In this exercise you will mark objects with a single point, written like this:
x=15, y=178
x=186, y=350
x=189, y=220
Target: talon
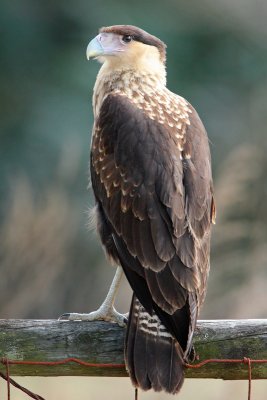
x=64, y=316
x=102, y=314
x=125, y=317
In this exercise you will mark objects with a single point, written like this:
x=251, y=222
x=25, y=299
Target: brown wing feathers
x=156, y=208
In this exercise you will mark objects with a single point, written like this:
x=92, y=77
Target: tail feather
x=141, y=347
x=170, y=369
x=154, y=358
x=152, y=364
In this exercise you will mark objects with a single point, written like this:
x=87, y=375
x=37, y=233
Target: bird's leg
x=106, y=311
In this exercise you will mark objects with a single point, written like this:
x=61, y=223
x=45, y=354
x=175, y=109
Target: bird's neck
x=128, y=82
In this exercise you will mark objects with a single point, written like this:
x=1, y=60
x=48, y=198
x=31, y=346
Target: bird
x=154, y=207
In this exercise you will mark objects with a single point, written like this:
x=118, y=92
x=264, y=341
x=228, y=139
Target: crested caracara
x=152, y=181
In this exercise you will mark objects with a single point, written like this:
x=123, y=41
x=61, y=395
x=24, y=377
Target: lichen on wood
x=102, y=342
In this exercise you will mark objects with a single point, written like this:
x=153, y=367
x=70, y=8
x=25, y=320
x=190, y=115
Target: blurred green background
x=50, y=262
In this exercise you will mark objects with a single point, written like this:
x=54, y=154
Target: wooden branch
x=102, y=342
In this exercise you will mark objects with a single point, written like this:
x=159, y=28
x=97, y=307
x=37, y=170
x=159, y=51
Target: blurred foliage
x=217, y=59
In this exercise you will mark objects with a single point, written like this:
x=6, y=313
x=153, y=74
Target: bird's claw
x=102, y=314
x=64, y=317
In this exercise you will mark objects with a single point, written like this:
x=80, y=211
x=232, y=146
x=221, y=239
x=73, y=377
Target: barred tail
x=154, y=359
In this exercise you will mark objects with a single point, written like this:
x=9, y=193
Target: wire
x=244, y=360
x=7, y=362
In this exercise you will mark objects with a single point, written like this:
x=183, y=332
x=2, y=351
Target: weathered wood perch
x=102, y=342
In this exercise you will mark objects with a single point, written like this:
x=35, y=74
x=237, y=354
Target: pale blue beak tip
x=94, y=49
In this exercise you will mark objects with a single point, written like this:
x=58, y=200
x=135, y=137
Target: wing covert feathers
x=151, y=175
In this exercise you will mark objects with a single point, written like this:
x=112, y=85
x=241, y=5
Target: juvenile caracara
x=151, y=176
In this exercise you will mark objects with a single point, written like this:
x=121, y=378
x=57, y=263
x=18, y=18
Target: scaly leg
x=106, y=311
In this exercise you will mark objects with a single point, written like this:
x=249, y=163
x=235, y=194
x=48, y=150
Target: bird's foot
x=102, y=314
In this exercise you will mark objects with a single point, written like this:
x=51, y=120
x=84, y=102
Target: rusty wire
x=247, y=361
x=6, y=362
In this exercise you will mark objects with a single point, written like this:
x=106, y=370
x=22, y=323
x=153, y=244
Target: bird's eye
x=127, y=38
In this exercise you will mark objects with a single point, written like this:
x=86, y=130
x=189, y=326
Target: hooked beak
x=94, y=49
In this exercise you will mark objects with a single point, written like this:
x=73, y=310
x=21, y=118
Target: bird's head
x=126, y=46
